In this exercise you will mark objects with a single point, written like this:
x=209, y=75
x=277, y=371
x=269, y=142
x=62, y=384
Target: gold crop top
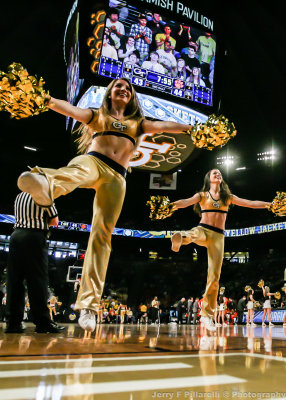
x=209, y=204
x=104, y=125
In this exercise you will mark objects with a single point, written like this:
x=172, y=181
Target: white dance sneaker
x=263, y=324
x=87, y=320
x=176, y=240
x=38, y=187
x=208, y=323
x=270, y=324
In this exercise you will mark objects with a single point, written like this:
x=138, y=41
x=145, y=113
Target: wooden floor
x=130, y=362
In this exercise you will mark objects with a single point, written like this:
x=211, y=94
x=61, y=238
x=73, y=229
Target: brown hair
x=224, y=192
x=132, y=111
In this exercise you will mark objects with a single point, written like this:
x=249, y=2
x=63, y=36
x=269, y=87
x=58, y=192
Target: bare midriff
x=118, y=149
x=214, y=219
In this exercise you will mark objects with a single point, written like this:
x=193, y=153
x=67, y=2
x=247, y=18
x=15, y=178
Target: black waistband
x=111, y=133
x=212, y=228
x=219, y=211
x=111, y=163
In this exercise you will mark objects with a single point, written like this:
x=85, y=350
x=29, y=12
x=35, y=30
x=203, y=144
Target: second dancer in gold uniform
x=212, y=203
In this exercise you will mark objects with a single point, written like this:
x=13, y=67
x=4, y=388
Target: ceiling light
x=30, y=148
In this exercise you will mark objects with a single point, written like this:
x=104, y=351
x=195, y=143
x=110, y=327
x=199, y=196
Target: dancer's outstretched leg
x=38, y=187
x=176, y=240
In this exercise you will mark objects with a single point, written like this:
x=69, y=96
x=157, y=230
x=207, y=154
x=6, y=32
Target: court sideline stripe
x=87, y=370
x=118, y=387
x=63, y=360
x=80, y=360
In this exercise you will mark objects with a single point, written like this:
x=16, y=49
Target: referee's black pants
x=28, y=260
x=240, y=317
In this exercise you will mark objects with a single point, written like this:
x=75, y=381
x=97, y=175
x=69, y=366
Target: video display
x=157, y=53
x=73, y=81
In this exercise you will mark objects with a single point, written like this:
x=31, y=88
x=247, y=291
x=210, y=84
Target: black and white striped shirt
x=31, y=216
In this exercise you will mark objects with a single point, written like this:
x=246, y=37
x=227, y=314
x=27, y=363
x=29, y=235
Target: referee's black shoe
x=11, y=328
x=52, y=327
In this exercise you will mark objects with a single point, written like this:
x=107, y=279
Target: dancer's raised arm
x=83, y=115
x=164, y=126
x=249, y=203
x=186, y=202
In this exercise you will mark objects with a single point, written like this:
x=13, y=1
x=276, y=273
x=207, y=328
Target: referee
x=28, y=260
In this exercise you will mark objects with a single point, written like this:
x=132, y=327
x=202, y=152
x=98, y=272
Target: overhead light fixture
x=239, y=168
x=30, y=148
x=225, y=160
x=267, y=155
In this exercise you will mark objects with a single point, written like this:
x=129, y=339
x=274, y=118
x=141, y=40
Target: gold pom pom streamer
x=278, y=205
x=160, y=207
x=21, y=94
x=216, y=131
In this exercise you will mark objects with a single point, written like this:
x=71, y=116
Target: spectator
x=112, y=315
x=240, y=309
x=222, y=308
x=206, y=51
x=192, y=44
x=156, y=24
x=155, y=309
x=128, y=48
x=190, y=303
x=161, y=38
x=180, y=309
x=180, y=70
x=211, y=75
x=129, y=316
x=183, y=35
x=195, y=78
x=143, y=311
x=191, y=59
x=108, y=50
x=196, y=308
x=167, y=59
x=133, y=59
x=142, y=35
x=153, y=64
x=115, y=27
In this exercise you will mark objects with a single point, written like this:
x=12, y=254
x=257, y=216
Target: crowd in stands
x=157, y=45
x=113, y=311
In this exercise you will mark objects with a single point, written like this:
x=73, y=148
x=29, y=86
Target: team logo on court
x=119, y=125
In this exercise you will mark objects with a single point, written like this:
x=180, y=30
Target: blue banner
x=77, y=226
x=276, y=316
x=254, y=230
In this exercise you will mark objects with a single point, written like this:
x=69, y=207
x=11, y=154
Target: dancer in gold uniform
x=267, y=305
x=107, y=142
x=212, y=203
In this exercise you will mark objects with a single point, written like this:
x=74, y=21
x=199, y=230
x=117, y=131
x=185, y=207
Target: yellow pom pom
x=215, y=132
x=160, y=207
x=21, y=94
x=278, y=205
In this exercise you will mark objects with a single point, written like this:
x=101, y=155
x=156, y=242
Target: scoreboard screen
x=158, y=53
